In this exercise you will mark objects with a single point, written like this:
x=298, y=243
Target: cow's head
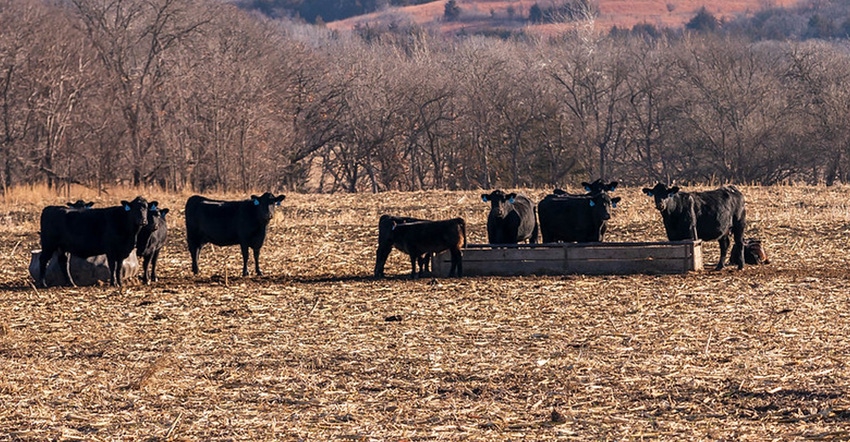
x=156, y=215
x=80, y=205
x=601, y=204
x=136, y=211
x=500, y=202
x=661, y=193
x=386, y=224
x=599, y=186
x=264, y=205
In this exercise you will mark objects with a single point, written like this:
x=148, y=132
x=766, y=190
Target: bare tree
x=592, y=78
x=133, y=39
x=729, y=92
x=650, y=111
x=819, y=78
x=480, y=67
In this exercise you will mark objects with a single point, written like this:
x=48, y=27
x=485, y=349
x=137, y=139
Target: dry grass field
x=480, y=15
x=308, y=353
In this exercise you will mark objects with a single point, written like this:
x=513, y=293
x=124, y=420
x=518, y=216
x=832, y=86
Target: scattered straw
x=308, y=353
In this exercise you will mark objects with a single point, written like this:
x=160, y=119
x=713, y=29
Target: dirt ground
x=318, y=350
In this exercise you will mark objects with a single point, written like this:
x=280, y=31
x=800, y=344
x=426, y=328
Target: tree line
x=189, y=94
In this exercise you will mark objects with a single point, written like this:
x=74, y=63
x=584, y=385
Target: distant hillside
x=478, y=15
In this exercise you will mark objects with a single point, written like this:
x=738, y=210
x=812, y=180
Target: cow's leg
x=413, y=258
x=114, y=280
x=154, y=259
x=43, y=259
x=195, y=251
x=257, y=261
x=738, y=226
x=244, y=248
x=119, y=265
x=146, y=260
x=457, y=263
x=423, y=260
x=724, y=249
x=381, y=256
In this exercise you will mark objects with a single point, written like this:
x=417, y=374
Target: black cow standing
x=591, y=188
x=80, y=204
x=89, y=232
x=151, y=239
x=422, y=237
x=511, y=218
x=710, y=215
x=227, y=223
x=575, y=218
x=385, y=244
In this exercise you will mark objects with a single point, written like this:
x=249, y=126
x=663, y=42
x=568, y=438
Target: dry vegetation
x=307, y=353
x=621, y=13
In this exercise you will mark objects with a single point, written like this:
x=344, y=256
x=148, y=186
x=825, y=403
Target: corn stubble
x=307, y=352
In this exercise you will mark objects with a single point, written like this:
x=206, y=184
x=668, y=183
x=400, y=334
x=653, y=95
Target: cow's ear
x=592, y=203
x=279, y=198
x=511, y=198
x=614, y=201
x=255, y=200
x=88, y=205
x=163, y=212
x=126, y=206
x=485, y=197
x=586, y=186
x=673, y=190
x=612, y=186
x=647, y=191
x=152, y=206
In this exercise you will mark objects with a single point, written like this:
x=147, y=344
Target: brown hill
x=502, y=14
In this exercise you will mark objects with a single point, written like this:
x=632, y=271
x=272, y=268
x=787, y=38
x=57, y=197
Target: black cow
x=385, y=243
x=111, y=231
x=591, y=188
x=151, y=239
x=710, y=215
x=419, y=238
x=575, y=218
x=511, y=218
x=80, y=204
x=227, y=223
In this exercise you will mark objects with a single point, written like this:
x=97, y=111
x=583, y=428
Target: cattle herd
x=137, y=225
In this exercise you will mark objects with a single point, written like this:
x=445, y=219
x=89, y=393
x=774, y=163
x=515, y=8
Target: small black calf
x=422, y=237
x=151, y=239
